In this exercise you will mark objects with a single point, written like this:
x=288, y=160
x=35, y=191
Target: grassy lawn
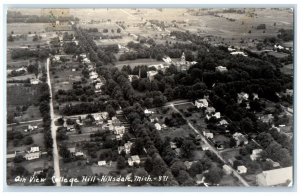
x=63, y=79
x=91, y=129
x=78, y=137
x=229, y=154
x=75, y=169
x=172, y=132
x=33, y=164
x=103, y=169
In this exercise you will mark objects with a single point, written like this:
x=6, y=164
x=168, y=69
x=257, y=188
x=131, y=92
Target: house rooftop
x=276, y=176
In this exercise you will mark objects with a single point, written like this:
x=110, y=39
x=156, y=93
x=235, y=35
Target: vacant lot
x=20, y=28
x=38, y=163
x=63, y=79
x=18, y=94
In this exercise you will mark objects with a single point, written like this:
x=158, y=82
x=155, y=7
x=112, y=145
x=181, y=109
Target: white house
x=255, y=154
x=242, y=97
x=255, y=96
x=242, y=169
x=173, y=145
x=238, y=53
x=38, y=171
x=34, y=149
x=201, y=103
x=32, y=155
x=208, y=134
x=104, y=115
x=157, y=126
x=277, y=46
x=131, y=77
x=34, y=81
x=98, y=85
x=231, y=49
x=239, y=138
x=167, y=59
x=119, y=130
x=72, y=150
x=210, y=110
x=221, y=69
x=146, y=111
x=134, y=159
x=127, y=147
x=120, y=149
x=101, y=163
x=223, y=122
x=217, y=115
x=227, y=170
x=79, y=154
x=31, y=128
x=86, y=60
x=151, y=74
x=205, y=147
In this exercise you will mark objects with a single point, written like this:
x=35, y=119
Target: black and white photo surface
x=150, y=97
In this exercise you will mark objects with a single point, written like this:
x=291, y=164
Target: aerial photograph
x=149, y=97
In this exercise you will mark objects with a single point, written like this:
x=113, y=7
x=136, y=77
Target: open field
x=19, y=28
x=22, y=95
x=64, y=78
x=137, y=62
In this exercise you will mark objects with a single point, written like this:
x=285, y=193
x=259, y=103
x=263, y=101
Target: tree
x=28, y=140
x=148, y=165
x=176, y=167
x=187, y=148
x=184, y=178
x=60, y=121
x=110, y=110
x=159, y=166
x=33, y=68
x=196, y=168
x=247, y=125
x=121, y=162
x=214, y=175
x=18, y=159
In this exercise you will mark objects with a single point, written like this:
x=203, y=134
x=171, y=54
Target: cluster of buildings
x=31, y=128
x=93, y=75
x=116, y=127
x=182, y=65
x=32, y=153
x=210, y=111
